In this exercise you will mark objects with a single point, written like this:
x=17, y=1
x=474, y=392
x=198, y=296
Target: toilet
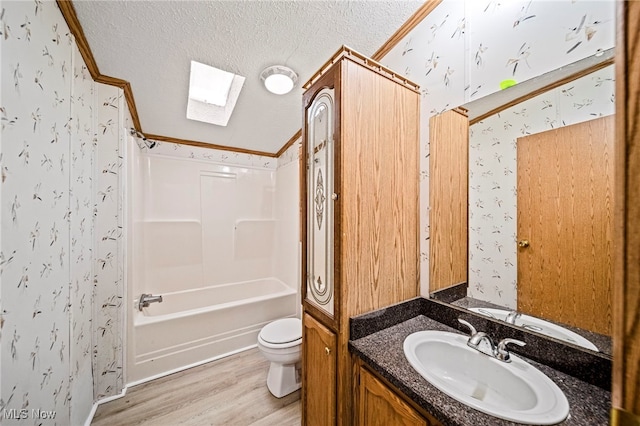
x=281, y=342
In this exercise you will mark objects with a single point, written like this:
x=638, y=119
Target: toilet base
x=284, y=379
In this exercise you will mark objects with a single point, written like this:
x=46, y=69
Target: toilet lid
x=282, y=331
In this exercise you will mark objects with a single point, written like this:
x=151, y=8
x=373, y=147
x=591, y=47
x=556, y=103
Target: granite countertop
x=383, y=352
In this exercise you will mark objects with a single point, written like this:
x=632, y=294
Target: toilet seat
x=283, y=333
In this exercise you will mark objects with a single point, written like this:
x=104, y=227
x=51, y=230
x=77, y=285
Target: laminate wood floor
x=230, y=391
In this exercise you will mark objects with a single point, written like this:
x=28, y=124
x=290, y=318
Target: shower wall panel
x=203, y=223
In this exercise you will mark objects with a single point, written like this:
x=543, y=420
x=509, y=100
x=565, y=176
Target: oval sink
x=514, y=391
x=540, y=326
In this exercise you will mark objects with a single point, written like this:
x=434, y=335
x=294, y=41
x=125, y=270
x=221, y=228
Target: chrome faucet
x=146, y=299
x=480, y=341
x=501, y=351
x=512, y=317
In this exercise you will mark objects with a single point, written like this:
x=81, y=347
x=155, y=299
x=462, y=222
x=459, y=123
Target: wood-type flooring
x=231, y=391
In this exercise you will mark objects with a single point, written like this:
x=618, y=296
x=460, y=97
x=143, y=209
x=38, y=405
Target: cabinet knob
x=334, y=196
x=327, y=350
x=523, y=243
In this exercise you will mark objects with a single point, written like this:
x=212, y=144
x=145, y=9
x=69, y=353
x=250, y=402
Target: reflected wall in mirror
x=460, y=53
x=493, y=208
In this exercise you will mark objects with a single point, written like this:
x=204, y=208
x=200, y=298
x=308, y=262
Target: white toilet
x=281, y=343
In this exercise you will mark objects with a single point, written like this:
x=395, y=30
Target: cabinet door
x=319, y=374
x=320, y=202
x=380, y=406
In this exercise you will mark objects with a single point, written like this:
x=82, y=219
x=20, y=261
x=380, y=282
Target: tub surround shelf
x=382, y=352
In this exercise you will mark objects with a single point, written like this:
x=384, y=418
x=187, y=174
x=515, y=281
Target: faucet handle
x=512, y=317
x=501, y=351
x=471, y=328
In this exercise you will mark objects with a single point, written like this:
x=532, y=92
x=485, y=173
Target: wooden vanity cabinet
x=378, y=404
x=320, y=353
x=360, y=216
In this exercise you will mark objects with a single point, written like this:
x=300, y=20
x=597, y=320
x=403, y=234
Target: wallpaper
x=493, y=181
x=48, y=201
x=108, y=360
x=82, y=236
x=36, y=219
x=291, y=154
x=520, y=40
x=207, y=154
x=463, y=49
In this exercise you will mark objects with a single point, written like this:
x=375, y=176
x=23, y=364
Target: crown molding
x=70, y=16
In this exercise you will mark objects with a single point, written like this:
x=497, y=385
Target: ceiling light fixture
x=279, y=79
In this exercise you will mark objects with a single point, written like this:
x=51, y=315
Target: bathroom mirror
x=509, y=182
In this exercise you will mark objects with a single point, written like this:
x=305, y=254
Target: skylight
x=212, y=94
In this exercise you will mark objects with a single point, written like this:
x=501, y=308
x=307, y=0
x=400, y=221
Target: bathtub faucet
x=146, y=299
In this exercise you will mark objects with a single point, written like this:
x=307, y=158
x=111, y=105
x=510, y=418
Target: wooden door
x=318, y=373
x=565, y=213
x=380, y=406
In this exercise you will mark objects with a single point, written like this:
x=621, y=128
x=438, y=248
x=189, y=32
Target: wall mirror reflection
x=540, y=201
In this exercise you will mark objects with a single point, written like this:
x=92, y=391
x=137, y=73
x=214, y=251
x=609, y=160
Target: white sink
x=514, y=391
x=539, y=325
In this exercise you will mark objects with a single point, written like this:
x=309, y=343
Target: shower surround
x=208, y=234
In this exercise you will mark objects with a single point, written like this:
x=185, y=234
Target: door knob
x=523, y=243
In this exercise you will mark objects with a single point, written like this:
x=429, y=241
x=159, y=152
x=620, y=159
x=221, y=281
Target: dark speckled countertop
x=383, y=352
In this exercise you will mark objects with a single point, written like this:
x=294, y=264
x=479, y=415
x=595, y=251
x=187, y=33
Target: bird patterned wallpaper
x=111, y=132
x=210, y=155
x=463, y=49
x=291, y=154
x=61, y=220
x=493, y=181
x=62, y=248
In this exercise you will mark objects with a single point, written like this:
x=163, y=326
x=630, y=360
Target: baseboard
x=157, y=376
x=103, y=401
x=186, y=367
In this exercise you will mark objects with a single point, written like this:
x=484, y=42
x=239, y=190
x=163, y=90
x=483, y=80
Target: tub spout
x=146, y=299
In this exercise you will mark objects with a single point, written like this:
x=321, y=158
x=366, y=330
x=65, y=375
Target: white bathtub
x=194, y=326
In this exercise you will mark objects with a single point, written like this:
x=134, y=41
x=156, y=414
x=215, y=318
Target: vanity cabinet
x=360, y=216
x=379, y=405
x=320, y=353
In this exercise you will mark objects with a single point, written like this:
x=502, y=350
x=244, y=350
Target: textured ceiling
x=151, y=43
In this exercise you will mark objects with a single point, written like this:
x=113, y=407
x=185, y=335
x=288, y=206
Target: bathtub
x=195, y=326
